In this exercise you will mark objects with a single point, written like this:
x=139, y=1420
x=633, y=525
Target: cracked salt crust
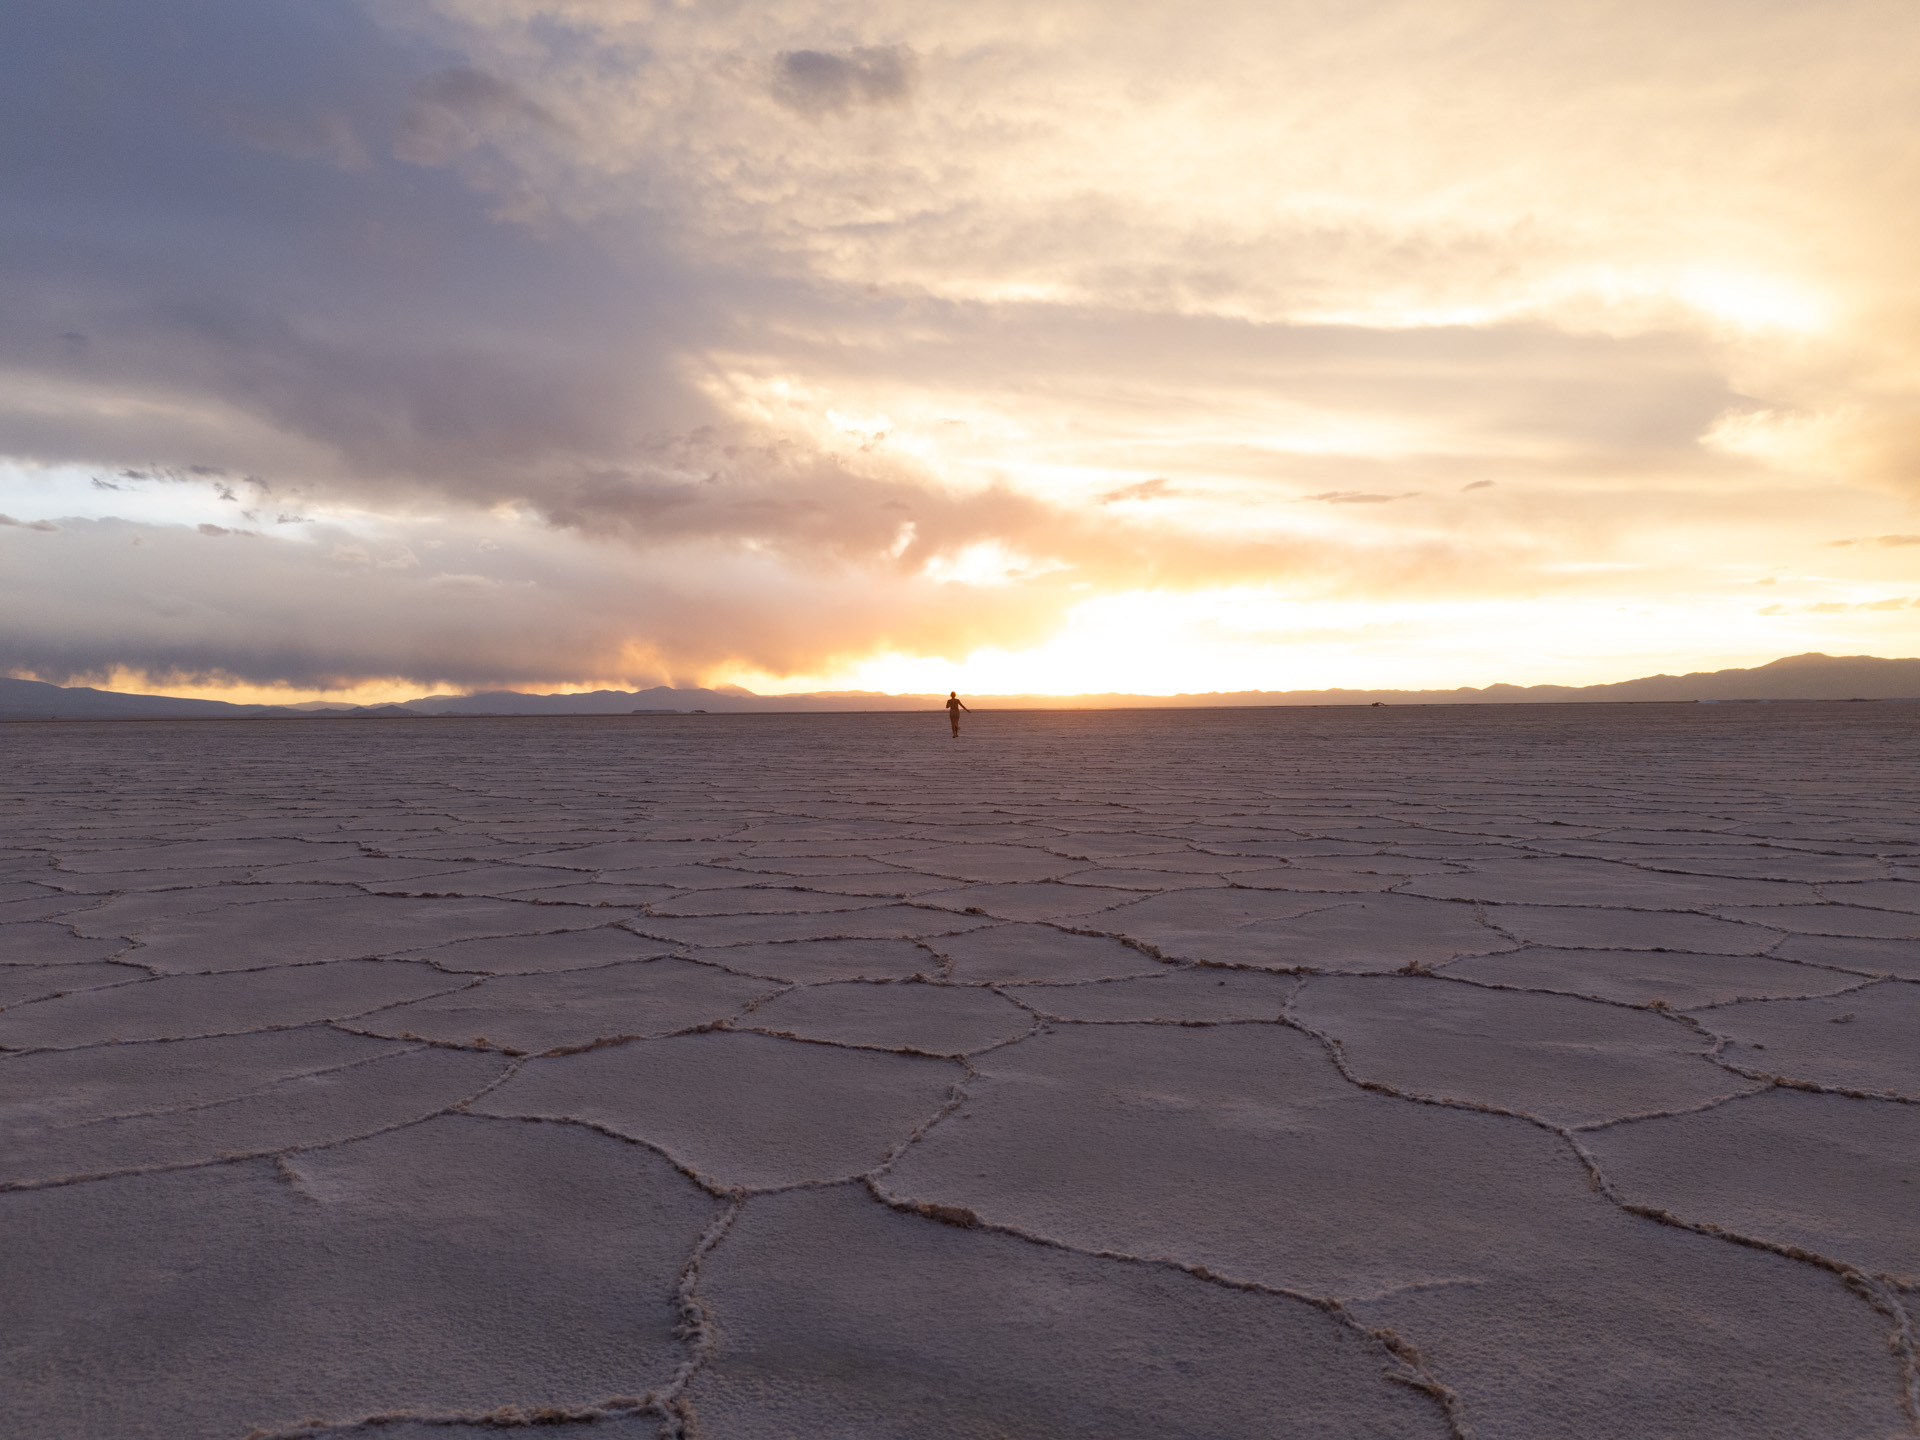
x=819, y=961
x=1863, y=1039
x=230, y=1002
x=530, y=881
x=924, y=1019
x=604, y=944
x=1852, y=1193
x=429, y=1270
x=32, y=943
x=1551, y=881
x=43, y=982
x=1578, y=927
x=938, y=1331
x=1024, y=954
x=1176, y=997
x=1667, y=979
x=1883, y=894
x=573, y=1009
x=1555, y=1056
x=1041, y=900
x=1288, y=932
x=738, y=1110
x=1861, y=956
x=1500, y=1073
x=342, y=928
x=379, y=1090
x=867, y=923
x=1832, y=919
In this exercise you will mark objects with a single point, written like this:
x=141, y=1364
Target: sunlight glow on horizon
x=1156, y=644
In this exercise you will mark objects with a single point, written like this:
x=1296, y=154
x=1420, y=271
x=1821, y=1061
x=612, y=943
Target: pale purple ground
x=1516, y=1072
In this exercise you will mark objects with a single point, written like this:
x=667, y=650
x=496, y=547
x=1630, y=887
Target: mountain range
x=1796, y=677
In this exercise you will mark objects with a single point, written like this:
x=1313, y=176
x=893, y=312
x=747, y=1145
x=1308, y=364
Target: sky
x=373, y=348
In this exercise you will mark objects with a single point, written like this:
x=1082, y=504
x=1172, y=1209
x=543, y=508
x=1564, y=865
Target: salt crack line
x=1878, y=1291
x=1411, y=1370
x=240, y=1096
x=695, y=1328
x=277, y=1153
x=322, y=1021
x=506, y=1417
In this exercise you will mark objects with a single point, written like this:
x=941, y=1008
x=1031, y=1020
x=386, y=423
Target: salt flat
x=1515, y=1072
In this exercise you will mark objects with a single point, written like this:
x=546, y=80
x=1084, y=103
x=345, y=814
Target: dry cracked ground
x=1509, y=1072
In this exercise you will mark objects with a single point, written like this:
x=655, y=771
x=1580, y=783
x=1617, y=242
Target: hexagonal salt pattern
x=1510, y=1072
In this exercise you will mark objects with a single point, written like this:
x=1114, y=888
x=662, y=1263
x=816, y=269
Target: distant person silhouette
x=954, y=707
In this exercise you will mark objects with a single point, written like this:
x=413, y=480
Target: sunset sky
x=367, y=350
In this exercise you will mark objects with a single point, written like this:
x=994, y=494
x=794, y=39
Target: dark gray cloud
x=250, y=300
x=439, y=606
x=821, y=82
x=207, y=606
x=458, y=109
x=328, y=137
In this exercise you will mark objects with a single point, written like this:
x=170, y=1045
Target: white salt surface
x=1503, y=1073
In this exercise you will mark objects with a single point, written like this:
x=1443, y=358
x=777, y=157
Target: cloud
x=1887, y=540
x=485, y=606
x=457, y=109
x=1836, y=607
x=822, y=82
x=507, y=600
x=1157, y=488
x=326, y=137
x=578, y=272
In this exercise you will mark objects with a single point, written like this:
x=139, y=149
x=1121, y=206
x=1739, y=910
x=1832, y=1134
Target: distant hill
x=1796, y=677
x=619, y=702
x=34, y=700
x=1812, y=676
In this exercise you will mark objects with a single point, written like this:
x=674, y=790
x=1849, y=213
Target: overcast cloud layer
x=394, y=346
